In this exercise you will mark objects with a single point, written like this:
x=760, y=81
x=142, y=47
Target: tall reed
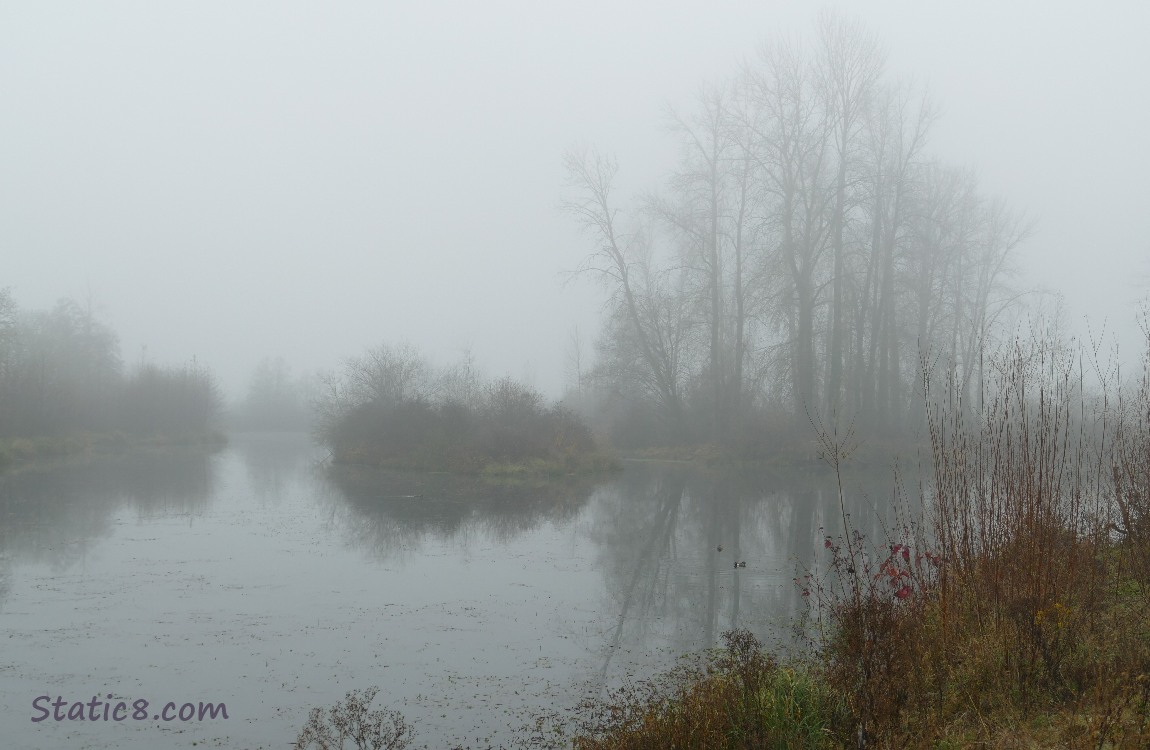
x=1019, y=614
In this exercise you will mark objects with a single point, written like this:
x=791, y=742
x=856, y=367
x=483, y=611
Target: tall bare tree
x=644, y=300
x=849, y=64
x=794, y=163
x=806, y=232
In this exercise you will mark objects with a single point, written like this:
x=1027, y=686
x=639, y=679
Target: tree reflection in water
x=653, y=535
x=388, y=512
x=658, y=531
x=54, y=513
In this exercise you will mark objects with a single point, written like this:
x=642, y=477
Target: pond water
x=254, y=578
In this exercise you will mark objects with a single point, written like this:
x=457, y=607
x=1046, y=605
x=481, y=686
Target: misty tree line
x=276, y=400
x=61, y=374
x=806, y=257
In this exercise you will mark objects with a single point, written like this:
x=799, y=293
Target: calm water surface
x=253, y=578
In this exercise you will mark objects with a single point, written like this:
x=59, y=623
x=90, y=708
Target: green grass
x=739, y=698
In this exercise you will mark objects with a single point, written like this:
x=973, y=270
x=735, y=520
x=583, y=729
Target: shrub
x=510, y=432
x=351, y=720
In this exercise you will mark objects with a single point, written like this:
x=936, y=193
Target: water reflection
x=53, y=514
x=667, y=540
x=275, y=461
x=454, y=594
x=664, y=539
x=389, y=512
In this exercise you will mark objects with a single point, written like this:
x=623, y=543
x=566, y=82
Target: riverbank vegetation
x=64, y=389
x=1009, y=607
x=1008, y=604
x=391, y=408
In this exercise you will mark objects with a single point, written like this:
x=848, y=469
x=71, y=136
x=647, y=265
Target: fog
x=236, y=181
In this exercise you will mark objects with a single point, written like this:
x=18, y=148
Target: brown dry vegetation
x=1016, y=614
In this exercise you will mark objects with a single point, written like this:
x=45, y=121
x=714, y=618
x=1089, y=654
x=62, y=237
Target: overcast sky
x=233, y=180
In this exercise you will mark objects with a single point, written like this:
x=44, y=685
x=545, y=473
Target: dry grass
x=1014, y=614
x=738, y=698
x=1021, y=618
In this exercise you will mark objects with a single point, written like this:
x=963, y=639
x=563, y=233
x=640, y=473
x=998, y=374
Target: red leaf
x=904, y=592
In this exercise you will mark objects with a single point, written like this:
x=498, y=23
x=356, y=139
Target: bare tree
x=462, y=383
x=793, y=160
x=808, y=247
x=849, y=63
x=895, y=130
x=700, y=185
x=641, y=296
x=390, y=374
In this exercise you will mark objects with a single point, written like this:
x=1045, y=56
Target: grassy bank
x=735, y=697
x=956, y=670
x=785, y=454
x=20, y=451
x=1016, y=616
x=551, y=466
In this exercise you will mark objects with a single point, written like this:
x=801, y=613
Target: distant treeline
x=391, y=407
x=61, y=375
x=806, y=256
x=276, y=401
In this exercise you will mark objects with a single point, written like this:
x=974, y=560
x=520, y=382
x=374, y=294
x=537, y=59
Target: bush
x=351, y=720
x=510, y=432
